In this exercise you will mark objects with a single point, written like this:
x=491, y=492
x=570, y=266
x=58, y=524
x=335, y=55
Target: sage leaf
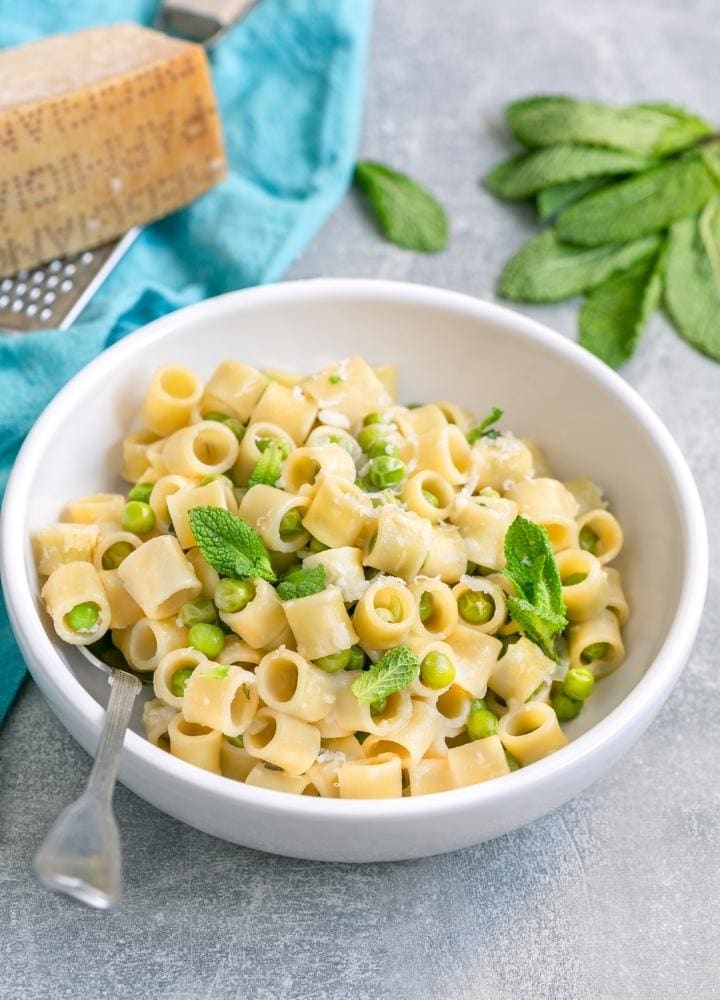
x=523, y=176
x=615, y=313
x=645, y=129
x=692, y=287
x=645, y=204
x=554, y=199
x=547, y=270
x=407, y=214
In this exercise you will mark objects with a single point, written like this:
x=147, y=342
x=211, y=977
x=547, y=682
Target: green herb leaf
x=482, y=429
x=398, y=668
x=302, y=583
x=615, y=313
x=645, y=129
x=523, y=176
x=554, y=199
x=531, y=568
x=267, y=468
x=692, y=279
x=215, y=673
x=230, y=545
x=546, y=270
x=641, y=205
x=407, y=214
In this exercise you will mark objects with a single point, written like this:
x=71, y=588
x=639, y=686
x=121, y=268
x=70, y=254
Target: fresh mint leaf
x=642, y=205
x=615, y=313
x=394, y=672
x=215, y=673
x=302, y=583
x=554, y=199
x=407, y=214
x=482, y=429
x=692, y=283
x=530, y=566
x=523, y=176
x=267, y=468
x=644, y=129
x=230, y=545
x=546, y=269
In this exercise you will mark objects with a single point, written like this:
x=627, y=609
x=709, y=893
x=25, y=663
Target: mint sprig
x=267, y=468
x=229, y=544
x=407, y=214
x=483, y=429
x=303, y=582
x=530, y=566
x=394, y=672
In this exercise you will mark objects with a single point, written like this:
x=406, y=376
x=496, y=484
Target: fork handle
x=124, y=690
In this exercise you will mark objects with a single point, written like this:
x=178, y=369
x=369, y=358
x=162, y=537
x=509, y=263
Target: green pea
x=383, y=446
x=317, y=546
x=236, y=426
x=334, y=662
x=426, y=606
x=369, y=435
x=595, y=651
x=291, y=523
x=236, y=741
x=233, y=595
x=83, y=617
x=475, y=607
x=206, y=480
x=207, y=639
x=579, y=683
x=357, y=658
x=574, y=579
x=379, y=417
x=201, y=609
x=512, y=762
x=386, y=471
x=138, y=517
x=264, y=443
x=437, y=671
x=115, y=554
x=566, y=708
x=216, y=415
x=430, y=498
x=376, y=707
x=179, y=679
x=481, y=722
x=588, y=540
x=141, y=491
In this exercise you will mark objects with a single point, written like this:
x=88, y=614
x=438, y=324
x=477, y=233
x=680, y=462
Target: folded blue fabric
x=289, y=83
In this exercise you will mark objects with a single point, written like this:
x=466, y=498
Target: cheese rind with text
x=100, y=130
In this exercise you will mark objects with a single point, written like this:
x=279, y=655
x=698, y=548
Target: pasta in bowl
x=335, y=594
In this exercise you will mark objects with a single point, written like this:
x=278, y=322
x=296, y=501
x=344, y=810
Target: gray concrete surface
x=613, y=896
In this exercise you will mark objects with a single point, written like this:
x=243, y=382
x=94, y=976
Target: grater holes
x=66, y=285
x=46, y=313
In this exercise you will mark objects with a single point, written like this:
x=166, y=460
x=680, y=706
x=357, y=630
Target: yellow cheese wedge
x=100, y=130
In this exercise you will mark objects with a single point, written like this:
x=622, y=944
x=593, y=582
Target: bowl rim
x=634, y=712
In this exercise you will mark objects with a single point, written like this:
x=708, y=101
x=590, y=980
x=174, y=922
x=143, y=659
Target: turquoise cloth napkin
x=289, y=81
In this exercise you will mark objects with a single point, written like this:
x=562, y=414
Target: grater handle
x=203, y=21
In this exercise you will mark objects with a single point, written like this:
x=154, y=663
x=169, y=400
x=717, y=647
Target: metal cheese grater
x=53, y=295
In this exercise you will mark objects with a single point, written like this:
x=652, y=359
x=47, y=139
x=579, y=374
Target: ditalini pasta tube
x=475, y=655
x=146, y=642
x=195, y=744
x=172, y=672
x=483, y=523
x=234, y=388
x=522, y=670
x=288, y=408
x=596, y=644
x=124, y=611
x=500, y=461
x=385, y=614
x=96, y=509
x=105, y=556
x=585, y=584
x=261, y=623
x=237, y=651
x=213, y=494
x=430, y=775
x=221, y=697
x=288, y=683
x=235, y=761
x=454, y=705
x=249, y=454
x=134, y=455
x=339, y=512
x=156, y=718
x=400, y=544
x=320, y=624
x=549, y=503
x=437, y=612
x=343, y=569
x=349, y=716
x=159, y=577
x=426, y=493
x=617, y=601
x=603, y=533
x=164, y=488
x=63, y=543
x=77, y=603
x=262, y=776
x=419, y=419
x=481, y=603
x=304, y=466
x=264, y=507
x=455, y=414
x=477, y=761
x=282, y=740
x=412, y=741
x=445, y=450
x=207, y=575
x=373, y=778
x=531, y=732
x=172, y=394
x=351, y=388
x=447, y=558
x=203, y=449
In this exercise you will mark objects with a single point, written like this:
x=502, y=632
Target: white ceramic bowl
x=445, y=346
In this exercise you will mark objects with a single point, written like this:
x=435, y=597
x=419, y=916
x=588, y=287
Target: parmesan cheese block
x=100, y=131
